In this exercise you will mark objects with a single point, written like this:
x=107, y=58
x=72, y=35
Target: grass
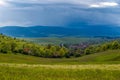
x=56, y=40
x=98, y=66
x=72, y=67
x=57, y=73
x=107, y=57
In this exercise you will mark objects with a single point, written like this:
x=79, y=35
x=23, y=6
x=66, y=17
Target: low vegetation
x=57, y=40
x=56, y=72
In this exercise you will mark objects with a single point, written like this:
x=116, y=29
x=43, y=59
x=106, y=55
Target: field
x=56, y=40
x=98, y=66
x=59, y=72
x=107, y=57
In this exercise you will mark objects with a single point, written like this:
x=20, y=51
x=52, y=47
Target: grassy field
x=98, y=66
x=59, y=72
x=56, y=40
x=107, y=57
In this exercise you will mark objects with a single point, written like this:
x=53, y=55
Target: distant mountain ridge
x=47, y=31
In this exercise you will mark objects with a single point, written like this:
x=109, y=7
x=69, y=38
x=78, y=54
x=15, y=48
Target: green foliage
x=89, y=50
x=115, y=45
x=103, y=47
x=13, y=45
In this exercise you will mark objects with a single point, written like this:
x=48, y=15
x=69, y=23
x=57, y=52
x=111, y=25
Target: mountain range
x=49, y=31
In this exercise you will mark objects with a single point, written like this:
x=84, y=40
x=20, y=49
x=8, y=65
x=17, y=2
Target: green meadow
x=98, y=66
x=59, y=72
x=57, y=40
x=106, y=57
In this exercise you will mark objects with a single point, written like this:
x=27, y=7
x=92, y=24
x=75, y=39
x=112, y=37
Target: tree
x=115, y=45
x=87, y=51
x=6, y=48
x=61, y=52
x=13, y=46
x=104, y=47
x=77, y=53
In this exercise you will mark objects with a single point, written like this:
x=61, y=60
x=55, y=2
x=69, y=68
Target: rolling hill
x=49, y=31
x=107, y=57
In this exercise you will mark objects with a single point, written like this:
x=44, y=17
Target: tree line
x=14, y=46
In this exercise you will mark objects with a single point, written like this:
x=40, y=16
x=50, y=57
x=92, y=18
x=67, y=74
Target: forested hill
x=49, y=31
x=14, y=46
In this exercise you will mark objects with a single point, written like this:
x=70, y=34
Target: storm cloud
x=59, y=12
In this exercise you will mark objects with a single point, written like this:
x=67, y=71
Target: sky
x=59, y=12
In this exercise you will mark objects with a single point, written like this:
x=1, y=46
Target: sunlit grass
x=80, y=67
x=107, y=57
x=98, y=66
x=59, y=72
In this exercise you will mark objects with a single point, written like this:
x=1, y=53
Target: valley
x=59, y=58
x=59, y=39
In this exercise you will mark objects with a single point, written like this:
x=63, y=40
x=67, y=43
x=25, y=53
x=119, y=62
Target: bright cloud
x=80, y=3
x=104, y=4
x=3, y=3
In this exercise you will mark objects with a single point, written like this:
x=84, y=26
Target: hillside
x=21, y=60
x=107, y=57
x=14, y=46
x=49, y=31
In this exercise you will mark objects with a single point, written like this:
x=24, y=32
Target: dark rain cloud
x=59, y=13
